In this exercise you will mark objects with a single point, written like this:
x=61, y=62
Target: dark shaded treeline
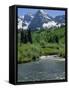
x=25, y=36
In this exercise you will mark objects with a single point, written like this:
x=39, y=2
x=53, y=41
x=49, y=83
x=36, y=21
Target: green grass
x=28, y=52
x=45, y=42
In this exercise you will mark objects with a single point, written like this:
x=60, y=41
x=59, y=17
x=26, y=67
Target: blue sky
x=53, y=13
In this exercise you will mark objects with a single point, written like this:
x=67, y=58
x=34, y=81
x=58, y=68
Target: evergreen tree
x=22, y=36
x=56, y=39
x=29, y=36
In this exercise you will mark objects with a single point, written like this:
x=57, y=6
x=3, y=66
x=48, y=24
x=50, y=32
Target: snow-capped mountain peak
x=44, y=12
x=41, y=19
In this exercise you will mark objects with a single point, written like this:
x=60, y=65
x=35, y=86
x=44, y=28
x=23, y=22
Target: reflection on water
x=41, y=70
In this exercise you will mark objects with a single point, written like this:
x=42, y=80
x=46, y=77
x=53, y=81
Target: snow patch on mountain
x=49, y=24
x=20, y=23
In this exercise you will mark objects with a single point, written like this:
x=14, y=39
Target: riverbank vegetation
x=42, y=42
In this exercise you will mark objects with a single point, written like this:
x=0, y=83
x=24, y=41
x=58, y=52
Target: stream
x=47, y=68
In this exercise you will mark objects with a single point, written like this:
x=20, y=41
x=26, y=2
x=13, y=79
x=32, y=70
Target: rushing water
x=41, y=70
